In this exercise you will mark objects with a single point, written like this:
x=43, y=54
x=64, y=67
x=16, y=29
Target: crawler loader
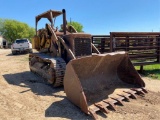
x=92, y=81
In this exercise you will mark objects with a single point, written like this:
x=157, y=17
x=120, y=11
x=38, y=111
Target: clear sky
x=96, y=16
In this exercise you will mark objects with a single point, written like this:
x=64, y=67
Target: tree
x=1, y=25
x=12, y=29
x=78, y=26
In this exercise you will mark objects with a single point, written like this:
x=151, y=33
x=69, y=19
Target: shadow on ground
x=17, y=54
x=66, y=109
x=34, y=83
x=38, y=86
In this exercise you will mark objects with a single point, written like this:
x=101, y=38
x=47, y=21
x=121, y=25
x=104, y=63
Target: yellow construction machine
x=92, y=81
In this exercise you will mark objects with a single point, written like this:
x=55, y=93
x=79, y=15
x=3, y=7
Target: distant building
x=3, y=42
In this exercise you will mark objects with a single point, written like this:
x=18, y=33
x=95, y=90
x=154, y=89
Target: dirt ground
x=25, y=96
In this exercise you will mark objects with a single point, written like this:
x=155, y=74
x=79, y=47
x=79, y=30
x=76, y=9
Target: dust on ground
x=26, y=96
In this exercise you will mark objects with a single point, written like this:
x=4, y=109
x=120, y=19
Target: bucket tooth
x=93, y=114
x=139, y=91
x=144, y=90
x=119, y=100
x=126, y=97
x=102, y=106
x=111, y=104
x=132, y=94
x=96, y=78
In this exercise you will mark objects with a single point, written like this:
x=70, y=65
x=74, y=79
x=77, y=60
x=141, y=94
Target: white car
x=21, y=45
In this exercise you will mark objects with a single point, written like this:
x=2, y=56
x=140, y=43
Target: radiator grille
x=82, y=46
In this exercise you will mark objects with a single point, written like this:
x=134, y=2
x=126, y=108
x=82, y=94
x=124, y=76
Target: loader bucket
x=89, y=80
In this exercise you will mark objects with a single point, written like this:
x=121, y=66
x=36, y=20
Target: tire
x=13, y=52
x=30, y=51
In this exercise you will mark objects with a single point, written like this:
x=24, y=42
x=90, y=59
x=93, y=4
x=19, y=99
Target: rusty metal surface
x=111, y=103
x=47, y=15
x=79, y=44
x=134, y=33
x=93, y=79
x=50, y=14
x=143, y=47
x=51, y=69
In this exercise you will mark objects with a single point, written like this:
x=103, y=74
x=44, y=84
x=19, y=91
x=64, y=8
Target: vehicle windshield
x=21, y=41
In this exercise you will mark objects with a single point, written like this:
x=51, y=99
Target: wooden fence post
x=127, y=43
x=102, y=45
x=111, y=42
x=158, y=49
